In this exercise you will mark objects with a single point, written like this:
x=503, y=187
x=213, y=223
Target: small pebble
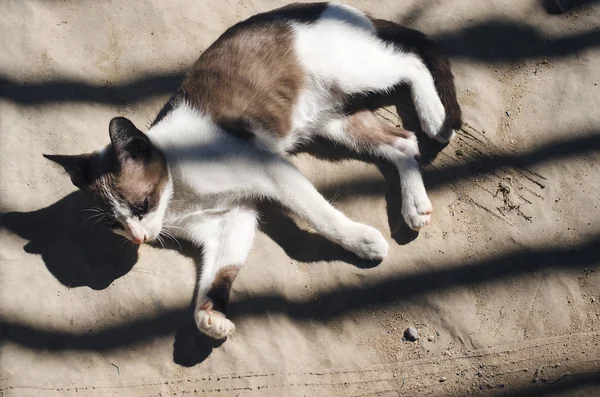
x=411, y=334
x=593, y=300
x=430, y=338
x=443, y=379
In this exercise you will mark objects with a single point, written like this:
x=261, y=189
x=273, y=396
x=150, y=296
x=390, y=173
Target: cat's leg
x=356, y=61
x=365, y=133
x=226, y=241
x=295, y=192
x=438, y=64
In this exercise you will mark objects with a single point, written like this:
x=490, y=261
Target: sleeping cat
x=219, y=145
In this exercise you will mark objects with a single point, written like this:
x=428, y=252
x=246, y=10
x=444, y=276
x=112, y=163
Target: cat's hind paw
x=417, y=212
x=214, y=324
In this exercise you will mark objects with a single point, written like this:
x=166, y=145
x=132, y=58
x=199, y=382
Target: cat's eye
x=140, y=209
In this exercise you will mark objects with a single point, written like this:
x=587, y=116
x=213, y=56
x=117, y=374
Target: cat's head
x=128, y=181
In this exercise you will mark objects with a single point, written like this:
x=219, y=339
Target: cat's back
x=250, y=79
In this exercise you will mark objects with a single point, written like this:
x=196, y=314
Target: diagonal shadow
x=494, y=41
x=76, y=252
x=327, y=305
x=498, y=40
x=573, y=385
x=434, y=178
x=562, y=6
x=587, y=143
x=75, y=91
x=345, y=299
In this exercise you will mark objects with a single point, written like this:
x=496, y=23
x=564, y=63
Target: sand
x=503, y=287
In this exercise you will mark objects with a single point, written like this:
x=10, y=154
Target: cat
x=219, y=145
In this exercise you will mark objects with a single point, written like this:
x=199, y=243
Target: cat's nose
x=139, y=240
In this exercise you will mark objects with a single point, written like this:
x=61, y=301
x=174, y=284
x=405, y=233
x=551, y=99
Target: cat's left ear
x=79, y=167
x=128, y=141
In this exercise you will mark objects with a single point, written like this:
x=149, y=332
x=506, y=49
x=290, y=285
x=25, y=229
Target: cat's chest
x=219, y=180
x=187, y=213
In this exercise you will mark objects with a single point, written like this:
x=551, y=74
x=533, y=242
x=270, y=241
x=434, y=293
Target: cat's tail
x=437, y=63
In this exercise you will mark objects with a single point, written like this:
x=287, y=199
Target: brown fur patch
x=250, y=78
x=368, y=130
x=219, y=290
x=139, y=170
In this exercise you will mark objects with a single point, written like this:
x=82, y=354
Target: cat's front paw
x=366, y=242
x=417, y=211
x=214, y=324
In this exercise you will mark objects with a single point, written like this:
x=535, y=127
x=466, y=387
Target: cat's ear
x=79, y=167
x=128, y=141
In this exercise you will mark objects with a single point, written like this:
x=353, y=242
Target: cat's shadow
x=76, y=251
x=302, y=245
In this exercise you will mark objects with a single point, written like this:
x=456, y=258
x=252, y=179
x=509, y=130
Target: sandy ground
x=504, y=286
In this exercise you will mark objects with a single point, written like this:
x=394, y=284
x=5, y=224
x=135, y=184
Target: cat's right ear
x=128, y=141
x=78, y=167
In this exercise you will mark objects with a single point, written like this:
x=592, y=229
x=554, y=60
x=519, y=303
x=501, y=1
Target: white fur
x=348, y=15
x=215, y=178
x=342, y=52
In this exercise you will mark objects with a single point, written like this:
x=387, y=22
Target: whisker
x=168, y=234
x=100, y=219
x=122, y=241
x=90, y=210
x=174, y=227
x=100, y=216
x=170, y=237
x=160, y=240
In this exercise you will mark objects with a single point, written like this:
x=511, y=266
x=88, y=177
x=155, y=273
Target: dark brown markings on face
x=130, y=170
x=250, y=78
x=436, y=62
x=219, y=290
x=142, y=170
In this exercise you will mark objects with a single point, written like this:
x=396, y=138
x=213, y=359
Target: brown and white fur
x=265, y=86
